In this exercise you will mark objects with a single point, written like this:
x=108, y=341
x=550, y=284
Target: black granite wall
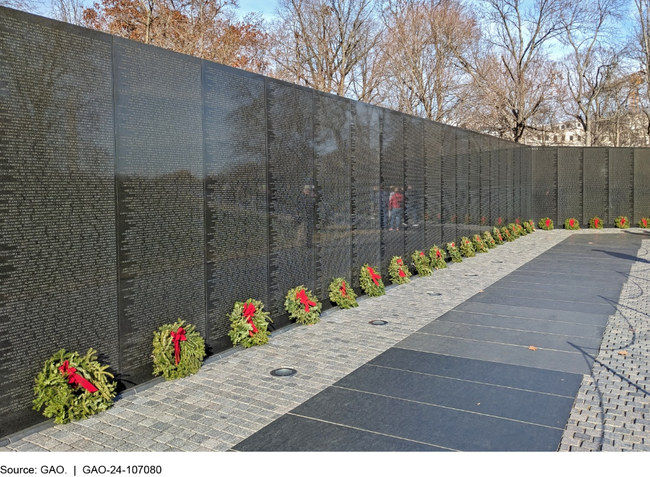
x=139, y=186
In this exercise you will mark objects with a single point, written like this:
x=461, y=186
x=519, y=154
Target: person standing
x=395, y=206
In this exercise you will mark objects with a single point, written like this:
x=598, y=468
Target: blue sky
x=265, y=7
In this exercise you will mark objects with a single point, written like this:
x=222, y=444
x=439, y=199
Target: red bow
x=302, y=296
x=399, y=261
x=622, y=220
x=178, y=337
x=421, y=254
x=343, y=291
x=74, y=378
x=438, y=254
x=596, y=223
x=570, y=222
x=645, y=222
x=517, y=221
x=249, y=312
x=548, y=222
x=401, y=273
x=500, y=220
x=374, y=276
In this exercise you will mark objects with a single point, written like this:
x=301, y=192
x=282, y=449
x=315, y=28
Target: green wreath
x=595, y=223
x=249, y=324
x=522, y=231
x=73, y=387
x=532, y=225
x=422, y=263
x=514, y=230
x=571, y=224
x=622, y=222
x=453, y=252
x=342, y=294
x=545, y=223
x=399, y=273
x=302, y=306
x=496, y=235
x=371, y=282
x=438, y=257
x=478, y=244
x=528, y=227
x=643, y=223
x=466, y=248
x=178, y=350
x=489, y=240
x=507, y=236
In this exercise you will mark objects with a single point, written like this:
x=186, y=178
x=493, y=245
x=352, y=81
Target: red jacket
x=396, y=200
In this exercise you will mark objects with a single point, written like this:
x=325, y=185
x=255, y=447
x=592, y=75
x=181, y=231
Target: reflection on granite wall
x=139, y=186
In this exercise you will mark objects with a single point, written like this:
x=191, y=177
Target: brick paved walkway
x=233, y=395
x=612, y=409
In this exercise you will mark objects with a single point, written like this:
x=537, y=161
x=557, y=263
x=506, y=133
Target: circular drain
x=283, y=372
x=434, y=294
x=471, y=274
x=378, y=322
x=497, y=261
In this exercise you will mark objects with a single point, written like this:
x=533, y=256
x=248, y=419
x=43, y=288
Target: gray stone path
x=612, y=409
x=234, y=396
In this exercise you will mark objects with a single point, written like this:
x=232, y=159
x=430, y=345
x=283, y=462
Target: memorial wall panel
x=57, y=203
x=516, y=189
x=641, y=181
x=544, y=183
x=159, y=173
x=392, y=184
x=332, y=150
x=621, y=182
x=485, y=208
x=510, y=183
x=474, y=183
x=433, y=183
x=414, y=174
x=496, y=219
x=366, y=178
x=449, y=217
x=234, y=128
x=526, y=171
x=462, y=183
x=291, y=188
x=569, y=188
x=503, y=183
x=595, y=184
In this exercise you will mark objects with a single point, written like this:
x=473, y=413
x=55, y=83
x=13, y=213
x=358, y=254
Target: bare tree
x=516, y=37
x=588, y=66
x=319, y=43
x=70, y=11
x=643, y=52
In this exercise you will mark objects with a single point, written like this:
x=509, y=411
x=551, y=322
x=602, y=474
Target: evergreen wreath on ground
x=178, y=350
x=622, y=222
x=422, y=263
x=478, y=244
x=595, y=223
x=454, y=253
x=399, y=273
x=466, y=248
x=302, y=306
x=249, y=323
x=529, y=228
x=507, y=236
x=438, y=257
x=545, y=223
x=489, y=240
x=496, y=235
x=370, y=281
x=73, y=387
x=532, y=225
x=643, y=223
x=514, y=230
x=571, y=224
x=522, y=231
x=342, y=294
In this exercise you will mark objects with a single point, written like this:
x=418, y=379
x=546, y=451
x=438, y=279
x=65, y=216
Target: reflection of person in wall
x=305, y=214
x=395, y=206
x=412, y=210
x=384, y=197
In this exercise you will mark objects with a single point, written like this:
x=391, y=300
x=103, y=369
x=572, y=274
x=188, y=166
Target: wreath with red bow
x=249, y=323
x=545, y=223
x=643, y=223
x=342, y=294
x=454, y=253
x=478, y=244
x=507, y=236
x=514, y=230
x=488, y=240
x=303, y=306
x=178, y=350
x=398, y=271
x=496, y=235
x=466, y=248
x=529, y=226
x=595, y=223
x=370, y=281
x=438, y=257
x=422, y=263
x=622, y=222
x=73, y=387
x=571, y=224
